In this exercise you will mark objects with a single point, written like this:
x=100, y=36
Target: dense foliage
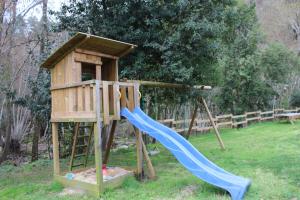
x=295, y=99
x=242, y=85
x=191, y=42
x=178, y=41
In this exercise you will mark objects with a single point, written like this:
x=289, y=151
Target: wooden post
x=98, y=156
x=98, y=72
x=55, y=148
x=139, y=153
x=131, y=103
x=149, y=163
x=213, y=124
x=136, y=95
x=131, y=99
x=116, y=101
x=97, y=139
x=192, y=121
x=110, y=141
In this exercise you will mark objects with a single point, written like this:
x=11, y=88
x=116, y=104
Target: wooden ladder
x=81, y=143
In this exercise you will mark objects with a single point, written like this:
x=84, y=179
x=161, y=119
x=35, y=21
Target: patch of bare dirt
x=71, y=191
x=186, y=192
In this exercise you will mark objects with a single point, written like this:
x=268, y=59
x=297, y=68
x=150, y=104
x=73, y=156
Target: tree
x=243, y=86
x=18, y=40
x=295, y=99
x=8, y=132
x=176, y=39
x=281, y=68
x=39, y=102
x=2, y=11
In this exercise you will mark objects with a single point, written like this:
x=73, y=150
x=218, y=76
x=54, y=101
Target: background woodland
x=248, y=51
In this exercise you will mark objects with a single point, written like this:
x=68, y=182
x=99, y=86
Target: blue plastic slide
x=188, y=155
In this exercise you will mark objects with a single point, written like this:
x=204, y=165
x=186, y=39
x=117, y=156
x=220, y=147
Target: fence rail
x=226, y=120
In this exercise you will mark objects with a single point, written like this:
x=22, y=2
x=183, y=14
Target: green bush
x=295, y=99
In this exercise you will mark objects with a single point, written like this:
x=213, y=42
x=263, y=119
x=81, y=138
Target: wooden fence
x=225, y=121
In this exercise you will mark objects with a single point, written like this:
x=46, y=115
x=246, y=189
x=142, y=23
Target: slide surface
x=188, y=155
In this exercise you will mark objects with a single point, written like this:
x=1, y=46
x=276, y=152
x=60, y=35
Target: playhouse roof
x=91, y=43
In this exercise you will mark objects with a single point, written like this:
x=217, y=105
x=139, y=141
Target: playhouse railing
x=74, y=102
x=77, y=102
x=116, y=95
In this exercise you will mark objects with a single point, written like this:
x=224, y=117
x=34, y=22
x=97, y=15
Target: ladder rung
x=77, y=165
x=79, y=155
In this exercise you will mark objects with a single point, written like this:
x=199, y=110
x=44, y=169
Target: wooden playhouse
x=85, y=90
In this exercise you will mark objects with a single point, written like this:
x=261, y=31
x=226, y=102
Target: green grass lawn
x=267, y=153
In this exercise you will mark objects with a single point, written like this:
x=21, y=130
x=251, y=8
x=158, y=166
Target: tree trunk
x=44, y=35
x=6, y=148
x=2, y=9
x=44, y=40
x=13, y=22
x=35, y=141
x=7, y=140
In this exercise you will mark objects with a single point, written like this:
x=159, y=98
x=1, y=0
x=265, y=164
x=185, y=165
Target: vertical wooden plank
x=77, y=70
x=91, y=93
x=59, y=80
x=97, y=140
x=75, y=99
x=213, y=124
x=71, y=77
x=53, y=74
x=68, y=69
x=113, y=70
x=131, y=98
x=98, y=72
x=63, y=105
x=76, y=78
x=105, y=102
x=53, y=102
x=55, y=149
x=116, y=69
x=60, y=72
x=72, y=99
x=83, y=97
x=116, y=100
x=101, y=103
x=94, y=99
x=136, y=95
x=87, y=96
x=123, y=97
x=111, y=98
x=79, y=99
